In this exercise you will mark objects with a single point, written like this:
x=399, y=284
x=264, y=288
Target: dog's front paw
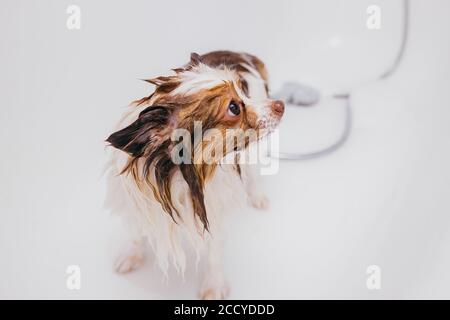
x=259, y=201
x=129, y=260
x=215, y=292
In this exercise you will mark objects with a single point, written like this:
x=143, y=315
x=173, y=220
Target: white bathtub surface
x=383, y=199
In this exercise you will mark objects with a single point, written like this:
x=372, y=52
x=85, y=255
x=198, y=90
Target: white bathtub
x=382, y=199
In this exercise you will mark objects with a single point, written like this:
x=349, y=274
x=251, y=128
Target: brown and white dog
x=169, y=201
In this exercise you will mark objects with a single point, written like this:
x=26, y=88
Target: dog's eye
x=234, y=109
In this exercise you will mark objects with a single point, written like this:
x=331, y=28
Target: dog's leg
x=255, y=195
x=132, y=257
x=214, y=286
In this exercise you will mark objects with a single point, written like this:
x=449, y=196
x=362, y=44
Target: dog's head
x=229, y=106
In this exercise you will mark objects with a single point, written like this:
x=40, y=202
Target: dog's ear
x=144, y=132
x=196, y=59
x=148, y=137
x=196, y=186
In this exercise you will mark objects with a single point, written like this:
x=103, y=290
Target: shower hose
x=343, y=137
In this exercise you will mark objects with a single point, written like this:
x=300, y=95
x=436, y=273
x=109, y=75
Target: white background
x=383, y=199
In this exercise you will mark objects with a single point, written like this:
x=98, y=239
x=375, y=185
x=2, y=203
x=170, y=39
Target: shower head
x=298, y=94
